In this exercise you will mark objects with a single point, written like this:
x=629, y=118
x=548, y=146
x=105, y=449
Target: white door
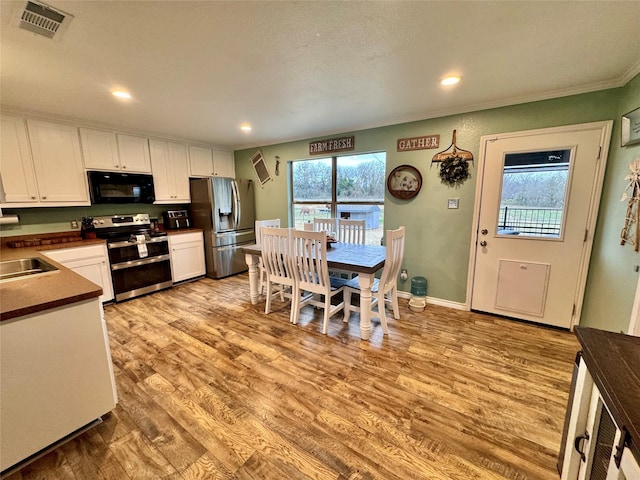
x=536, y=208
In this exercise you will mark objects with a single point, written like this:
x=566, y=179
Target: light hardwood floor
x=210, y=387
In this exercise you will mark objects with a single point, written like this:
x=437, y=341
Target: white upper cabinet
x=223, y=164
x=100, y=149
x=115, y=152
x=170, y=167
x=134, y=153
x=200, y=161
x=16, y=167
x=206, y=162
x=57, y=162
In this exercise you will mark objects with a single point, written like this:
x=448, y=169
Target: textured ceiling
x=293, y=70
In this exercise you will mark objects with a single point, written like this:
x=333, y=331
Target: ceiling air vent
x=42, y=19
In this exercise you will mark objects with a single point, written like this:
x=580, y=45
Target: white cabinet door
x=170, y=169
x=180, y=165
x=200, y=161
x=91, y=262
x=578, y=421
x=223, y=164
x=16, y=166
x=100, y=149
x=629, y=468
x=134, y=153
x=187, y=256
x=58, y=163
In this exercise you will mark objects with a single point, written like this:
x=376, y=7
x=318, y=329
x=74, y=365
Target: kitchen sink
x=24, y=267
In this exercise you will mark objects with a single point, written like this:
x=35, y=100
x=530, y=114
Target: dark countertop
x=613, y=359
x=36, y=293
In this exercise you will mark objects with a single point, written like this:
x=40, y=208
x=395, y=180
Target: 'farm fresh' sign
x=418, y=143
x=331, y=145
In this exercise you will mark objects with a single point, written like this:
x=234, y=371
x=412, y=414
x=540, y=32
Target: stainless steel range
x=139, y=257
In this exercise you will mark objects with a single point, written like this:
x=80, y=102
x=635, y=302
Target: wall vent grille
x=42, y=19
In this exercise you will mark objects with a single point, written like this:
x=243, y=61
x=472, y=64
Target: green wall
x=58, y=219
x=438, y=239
x=612, y=280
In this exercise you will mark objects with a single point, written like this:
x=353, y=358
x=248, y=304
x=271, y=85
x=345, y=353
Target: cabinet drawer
x=76, y=253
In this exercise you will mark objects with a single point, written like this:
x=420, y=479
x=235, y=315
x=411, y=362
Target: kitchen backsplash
x=58, y=219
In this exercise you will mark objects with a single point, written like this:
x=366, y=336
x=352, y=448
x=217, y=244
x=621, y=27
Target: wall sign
x=418, y=143
x=331, y=145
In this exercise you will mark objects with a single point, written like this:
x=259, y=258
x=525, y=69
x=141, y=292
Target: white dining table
x=365, y=260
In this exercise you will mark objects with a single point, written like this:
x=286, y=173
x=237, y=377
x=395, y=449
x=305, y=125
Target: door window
x=534, y=193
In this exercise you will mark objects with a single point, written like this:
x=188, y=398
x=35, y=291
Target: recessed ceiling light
x=450, y=80
x=245, y=128
x=121, y=94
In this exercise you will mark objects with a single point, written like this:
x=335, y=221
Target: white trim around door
x=605, y=128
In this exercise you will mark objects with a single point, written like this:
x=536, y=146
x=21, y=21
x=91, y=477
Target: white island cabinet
x=187, y=255
x=91, y=261
x=601, y=428
x=56, y=378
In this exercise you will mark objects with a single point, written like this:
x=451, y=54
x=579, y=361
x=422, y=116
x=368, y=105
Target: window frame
x=334, y=185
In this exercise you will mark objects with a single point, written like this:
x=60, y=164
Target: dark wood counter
x=36, y=293
x=613, y=359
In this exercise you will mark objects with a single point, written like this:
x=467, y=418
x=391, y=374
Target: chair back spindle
x=351, y=231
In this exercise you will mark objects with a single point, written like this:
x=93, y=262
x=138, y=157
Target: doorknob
x=484, y=231
x=483, y=243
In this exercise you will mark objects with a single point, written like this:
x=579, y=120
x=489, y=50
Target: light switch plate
x=453, y=203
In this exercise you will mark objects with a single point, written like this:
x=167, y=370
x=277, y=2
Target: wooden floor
x=210, y=387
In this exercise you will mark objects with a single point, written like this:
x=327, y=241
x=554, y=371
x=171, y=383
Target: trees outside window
x=349, y=186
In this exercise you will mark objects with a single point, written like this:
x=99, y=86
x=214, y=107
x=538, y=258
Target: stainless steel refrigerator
x=224, y=208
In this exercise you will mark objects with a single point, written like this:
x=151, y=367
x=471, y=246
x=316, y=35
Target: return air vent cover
x=41, y=19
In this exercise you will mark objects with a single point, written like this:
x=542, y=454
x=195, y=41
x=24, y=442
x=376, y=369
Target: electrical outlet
x=74, y=225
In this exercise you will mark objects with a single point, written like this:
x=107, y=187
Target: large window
x=350, y=186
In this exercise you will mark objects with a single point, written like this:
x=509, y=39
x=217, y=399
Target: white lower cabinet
x=56, y=378
x=91, y=261
x=595, y=448
x=187, y=256
x=629, y=467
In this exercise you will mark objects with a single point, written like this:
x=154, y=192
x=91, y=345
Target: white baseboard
x=436, y=301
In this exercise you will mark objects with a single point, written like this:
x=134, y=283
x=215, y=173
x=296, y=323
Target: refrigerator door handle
x=236, y=203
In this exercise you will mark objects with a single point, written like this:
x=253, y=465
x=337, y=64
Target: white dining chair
x=351, y=231
x=324, y=224
x=275, y=245
x=311, y=273
x=272, y=223
x=386, y=286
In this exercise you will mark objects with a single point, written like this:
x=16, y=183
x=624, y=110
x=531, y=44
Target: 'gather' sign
x=418, y=143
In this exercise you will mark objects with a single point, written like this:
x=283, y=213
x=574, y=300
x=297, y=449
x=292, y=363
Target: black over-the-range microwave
x=117, y=187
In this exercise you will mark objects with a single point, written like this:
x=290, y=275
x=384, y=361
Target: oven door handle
x=129, y=243
x=138, y=263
